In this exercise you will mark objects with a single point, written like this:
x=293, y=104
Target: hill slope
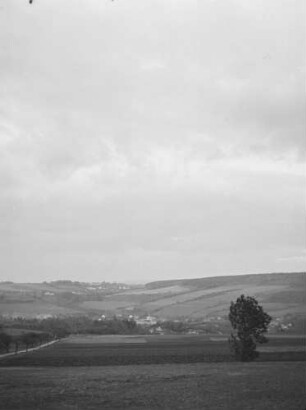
x=283, y=296
x=280, y=293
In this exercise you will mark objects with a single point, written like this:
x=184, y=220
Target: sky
x=145, y=140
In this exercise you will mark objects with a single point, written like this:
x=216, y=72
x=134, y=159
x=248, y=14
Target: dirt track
x=28, y=350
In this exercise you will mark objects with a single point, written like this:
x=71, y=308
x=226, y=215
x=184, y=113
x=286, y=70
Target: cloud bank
x=150, y=140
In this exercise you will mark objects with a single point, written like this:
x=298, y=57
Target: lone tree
x=250, y=322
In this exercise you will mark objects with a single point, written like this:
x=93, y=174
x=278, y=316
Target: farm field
x=211, y=386
x=148, y=372
x=131, y=350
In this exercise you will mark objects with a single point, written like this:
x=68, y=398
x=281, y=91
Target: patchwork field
x=281, y=294
x=35, y=308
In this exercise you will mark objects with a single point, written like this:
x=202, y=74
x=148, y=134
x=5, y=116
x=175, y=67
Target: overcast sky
x=151, y=139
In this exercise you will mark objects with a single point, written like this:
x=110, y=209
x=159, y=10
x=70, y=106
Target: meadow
x=166, y=372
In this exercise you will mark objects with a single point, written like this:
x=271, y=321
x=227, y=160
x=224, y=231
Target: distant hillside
x=62, y=297
x=283, y=296
x=292, y=279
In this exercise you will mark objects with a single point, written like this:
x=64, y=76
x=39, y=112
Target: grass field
x=151, y=372
x=224, y=386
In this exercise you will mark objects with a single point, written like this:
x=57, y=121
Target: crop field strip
x=182, y=350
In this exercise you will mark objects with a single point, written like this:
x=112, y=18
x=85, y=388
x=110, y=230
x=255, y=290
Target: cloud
x=151, y=138
x=152, y=65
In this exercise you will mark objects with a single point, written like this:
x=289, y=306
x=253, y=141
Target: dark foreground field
x=166, y=373
x=211, y=386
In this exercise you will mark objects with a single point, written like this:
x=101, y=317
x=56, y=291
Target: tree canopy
x=249, y=322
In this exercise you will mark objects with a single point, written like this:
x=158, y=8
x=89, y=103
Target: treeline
x=25, y=340
x=59, y=327
x=21, y=333
x=175, y=326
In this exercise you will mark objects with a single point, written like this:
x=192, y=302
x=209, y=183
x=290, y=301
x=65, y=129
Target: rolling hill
x=283, y=296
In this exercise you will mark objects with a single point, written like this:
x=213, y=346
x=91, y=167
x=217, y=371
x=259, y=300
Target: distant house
x=147, y=321
x=193, y=332
x=156, y=330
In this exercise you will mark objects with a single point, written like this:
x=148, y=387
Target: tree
x=250, y=322
x=5, y=341
x=29, y=339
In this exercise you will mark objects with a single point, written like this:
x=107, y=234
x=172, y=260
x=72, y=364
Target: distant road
x=2, y=356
